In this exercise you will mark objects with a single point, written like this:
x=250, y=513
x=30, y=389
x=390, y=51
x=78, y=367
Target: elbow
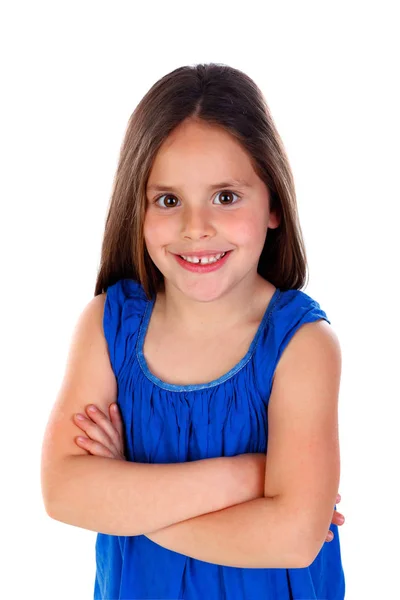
x=58, y=507
x=51, y=511
x=299, y=560
x=311, y=550
x=47, y=498
x=49, y=502
x=52, y=491
x=306, y=560
x=306, y=541
x=51, y=498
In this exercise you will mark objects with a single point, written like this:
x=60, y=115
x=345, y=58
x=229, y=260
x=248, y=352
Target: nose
x=197, y=223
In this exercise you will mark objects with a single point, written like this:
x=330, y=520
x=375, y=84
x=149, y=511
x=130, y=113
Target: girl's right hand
x=104, y=434
x=105, y=438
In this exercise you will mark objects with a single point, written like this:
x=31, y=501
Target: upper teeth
x=204, y=259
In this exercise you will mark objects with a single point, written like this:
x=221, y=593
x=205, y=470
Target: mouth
x=204, y=264
x=203, y=260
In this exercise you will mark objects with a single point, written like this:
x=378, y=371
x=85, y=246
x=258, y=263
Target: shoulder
x=315, y=342
x=297, y=304
x=305, y=328
x=295, y=310
x=292, y=315
x=296, y=318
x=125, y=299
x=123, y=312
x=92, y=314
x=97, y=303
x=315, y=339
x=126, y=290
x=125, y=286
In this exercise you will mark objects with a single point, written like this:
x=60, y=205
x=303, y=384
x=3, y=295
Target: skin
x=187, y=216
x=104, y=437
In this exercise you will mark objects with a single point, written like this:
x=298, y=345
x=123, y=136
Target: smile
x=204, y=260
x=204, y=264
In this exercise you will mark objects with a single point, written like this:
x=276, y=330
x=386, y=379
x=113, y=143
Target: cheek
x=155, y=231
x=249, y=231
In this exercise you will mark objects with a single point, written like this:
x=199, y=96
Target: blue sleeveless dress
x=166, y=423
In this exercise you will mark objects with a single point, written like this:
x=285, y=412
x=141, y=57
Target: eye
x=169, y=196
x=227, y=195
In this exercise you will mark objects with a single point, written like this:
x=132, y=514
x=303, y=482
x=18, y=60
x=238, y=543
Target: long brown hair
x=220, y=95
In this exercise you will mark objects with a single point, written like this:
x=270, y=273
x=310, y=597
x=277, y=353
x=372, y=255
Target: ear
x=274, y=220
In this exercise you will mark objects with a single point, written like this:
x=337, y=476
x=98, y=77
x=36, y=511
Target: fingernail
x=92, y=408
x=330, y=535
x=80, y=417
x=81, y=439
x=338, y=498
x=340, y=520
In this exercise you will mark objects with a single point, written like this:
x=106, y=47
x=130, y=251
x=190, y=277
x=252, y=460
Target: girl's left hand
x=104, y=434
x=105, y=438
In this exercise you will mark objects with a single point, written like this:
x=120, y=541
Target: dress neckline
x=173, y=387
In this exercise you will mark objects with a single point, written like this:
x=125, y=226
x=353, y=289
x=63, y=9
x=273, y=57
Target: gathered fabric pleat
x=166, y=423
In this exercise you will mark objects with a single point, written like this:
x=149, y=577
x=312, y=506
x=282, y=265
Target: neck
x=236, y=307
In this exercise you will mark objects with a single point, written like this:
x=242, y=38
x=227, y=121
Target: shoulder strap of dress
x=124, y=308
x=293, y=309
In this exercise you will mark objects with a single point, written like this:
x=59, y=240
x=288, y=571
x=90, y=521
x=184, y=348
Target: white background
x=71, y=75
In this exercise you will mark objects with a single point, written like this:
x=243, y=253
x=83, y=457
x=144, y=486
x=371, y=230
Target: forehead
x=199, y=149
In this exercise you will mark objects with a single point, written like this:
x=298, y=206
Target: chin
x=203, y=291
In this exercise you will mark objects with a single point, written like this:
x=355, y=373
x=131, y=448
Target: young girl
x=210, y=464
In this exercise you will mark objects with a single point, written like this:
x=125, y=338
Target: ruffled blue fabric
x=166, y=423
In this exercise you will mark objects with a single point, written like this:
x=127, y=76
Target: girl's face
x=204, y=198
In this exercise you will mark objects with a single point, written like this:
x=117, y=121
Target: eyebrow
x=224, y=184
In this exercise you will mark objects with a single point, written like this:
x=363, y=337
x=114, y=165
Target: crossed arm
x=256, y=534
x=284, y=524
x=198, y=508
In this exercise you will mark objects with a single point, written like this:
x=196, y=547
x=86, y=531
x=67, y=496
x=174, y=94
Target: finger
x=95, y=433
x=92, y=430
x=104, y=422
x=116, y=419
x=338, y=498
x=338, y=518
x=329, y=537
x=94, y=448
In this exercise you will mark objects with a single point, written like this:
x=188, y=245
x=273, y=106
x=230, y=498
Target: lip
x=201, y=253
x=198, y=268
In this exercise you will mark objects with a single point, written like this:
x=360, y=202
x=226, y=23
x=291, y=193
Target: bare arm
x=124, y=498
x=287, y=528
x=118, y=497
x=259, y=534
